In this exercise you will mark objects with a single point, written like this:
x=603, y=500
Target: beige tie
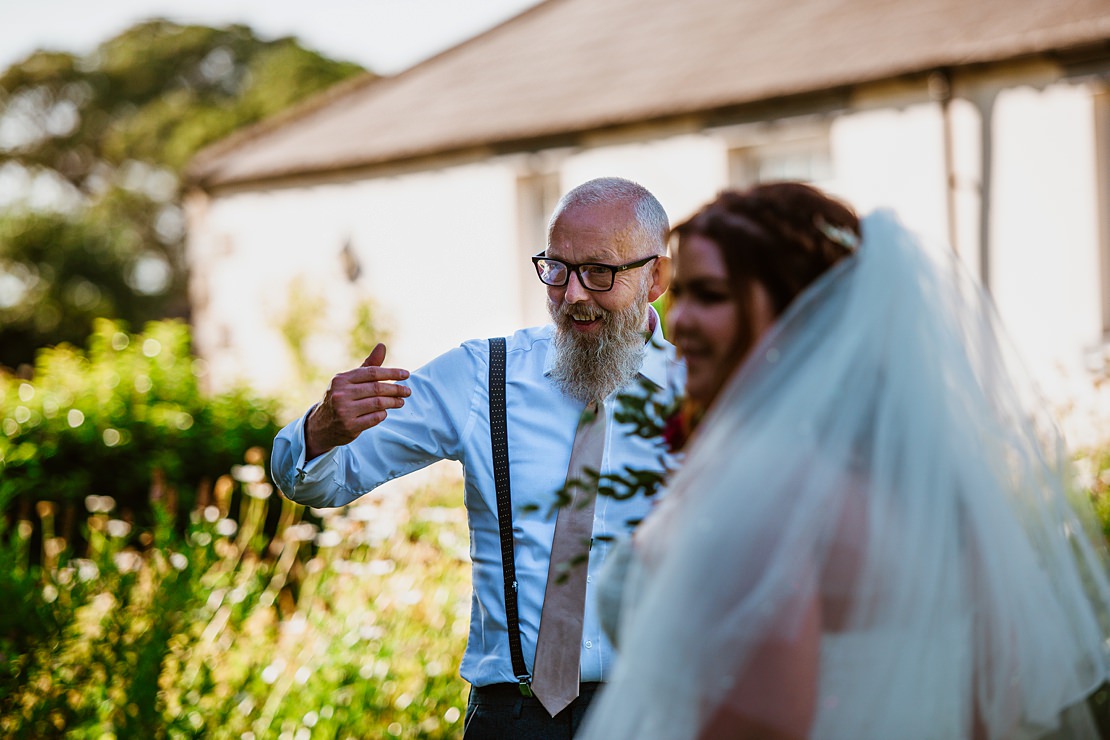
x=558, y=646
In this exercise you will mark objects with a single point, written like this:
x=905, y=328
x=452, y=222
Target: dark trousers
x=499, y=712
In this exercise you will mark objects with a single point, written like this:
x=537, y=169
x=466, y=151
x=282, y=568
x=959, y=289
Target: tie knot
x=590, y=413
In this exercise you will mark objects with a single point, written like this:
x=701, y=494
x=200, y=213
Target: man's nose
x=576, y=292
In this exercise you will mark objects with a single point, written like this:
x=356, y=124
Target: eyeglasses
x=593, y=275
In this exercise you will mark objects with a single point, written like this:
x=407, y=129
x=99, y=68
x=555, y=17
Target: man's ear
x=660, y=277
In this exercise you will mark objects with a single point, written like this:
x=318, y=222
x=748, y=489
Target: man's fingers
x=372, y=419
x=371, y=369
x=365, y=406
x=352, y=387
x=356, y=416
x=357, y=400
x=373, y=373
x=394, y=389
x=376, y=356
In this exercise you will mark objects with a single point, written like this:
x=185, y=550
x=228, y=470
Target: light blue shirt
x=447, y=417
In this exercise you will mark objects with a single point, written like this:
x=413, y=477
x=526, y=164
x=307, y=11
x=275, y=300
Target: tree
x=98, y=143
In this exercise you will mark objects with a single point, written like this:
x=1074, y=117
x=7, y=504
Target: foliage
x=63, y=272
x=155, y=93
x=246, y=619
x=646, y=417
x=1094, y=476
x=107, y=136
x=352, y=629
x=127, y=412
x=662, y=306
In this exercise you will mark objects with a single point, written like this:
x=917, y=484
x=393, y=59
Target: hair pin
x=838, y=234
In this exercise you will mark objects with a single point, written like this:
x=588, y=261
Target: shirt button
x=589, y=579
x=589, y=644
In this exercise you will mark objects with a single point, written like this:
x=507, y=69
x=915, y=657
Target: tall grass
x=352, y=626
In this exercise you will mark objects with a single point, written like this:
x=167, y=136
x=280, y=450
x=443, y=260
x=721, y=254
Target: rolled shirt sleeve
x=429, y=427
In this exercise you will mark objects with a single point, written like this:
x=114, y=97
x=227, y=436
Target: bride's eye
x=710, y=296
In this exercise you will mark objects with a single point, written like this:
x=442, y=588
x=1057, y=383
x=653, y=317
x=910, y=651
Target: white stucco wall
x=434, y=248
x=1045, y=269
x=1044, y=238
x=1043, y=252
x=893, y=157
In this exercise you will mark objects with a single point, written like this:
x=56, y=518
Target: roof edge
x=1094, y=44
x=207, y=156
x=205, y=162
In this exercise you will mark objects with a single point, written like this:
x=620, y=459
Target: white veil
x=880, y=456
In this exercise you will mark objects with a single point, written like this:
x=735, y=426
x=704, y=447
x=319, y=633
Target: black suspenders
x=499, y=438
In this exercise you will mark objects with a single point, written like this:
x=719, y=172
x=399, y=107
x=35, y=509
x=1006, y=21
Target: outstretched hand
x=355, y=401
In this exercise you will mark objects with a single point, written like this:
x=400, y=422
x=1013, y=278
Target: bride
x=874, y=533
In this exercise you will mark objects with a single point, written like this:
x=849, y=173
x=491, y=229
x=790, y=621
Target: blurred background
x=209, y=208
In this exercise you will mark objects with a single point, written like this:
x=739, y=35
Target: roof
x=568, y=66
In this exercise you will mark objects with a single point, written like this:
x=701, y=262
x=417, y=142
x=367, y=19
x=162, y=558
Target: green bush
x=111, y=420
x=351, y=628
x=156, y=587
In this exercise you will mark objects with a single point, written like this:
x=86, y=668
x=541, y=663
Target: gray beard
x=589, y=368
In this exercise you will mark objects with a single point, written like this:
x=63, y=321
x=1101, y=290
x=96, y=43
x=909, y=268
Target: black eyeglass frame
x=577, y=269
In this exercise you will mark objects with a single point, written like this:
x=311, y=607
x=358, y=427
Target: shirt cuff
x=289, y=467
x=316, y=469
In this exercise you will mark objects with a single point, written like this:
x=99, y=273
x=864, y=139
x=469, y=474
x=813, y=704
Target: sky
x=385, y=36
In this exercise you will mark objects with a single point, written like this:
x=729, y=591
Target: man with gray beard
x=604, y=263
x=591, y=366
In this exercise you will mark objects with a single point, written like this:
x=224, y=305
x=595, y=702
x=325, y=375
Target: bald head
x=651, y=226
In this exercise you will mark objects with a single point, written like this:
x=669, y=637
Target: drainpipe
x=940, y=90
x=985, y=103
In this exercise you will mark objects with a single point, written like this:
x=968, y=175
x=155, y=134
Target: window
x=786, y=149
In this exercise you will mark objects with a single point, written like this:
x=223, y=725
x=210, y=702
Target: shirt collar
x=657, y=355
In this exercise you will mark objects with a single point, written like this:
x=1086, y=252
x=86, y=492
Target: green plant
x=350, y=626
x=111, y=420
x=153, y=594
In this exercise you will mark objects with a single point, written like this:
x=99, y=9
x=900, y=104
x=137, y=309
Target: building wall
x=1044, y=226
x=1006, y=166
x=433, y=256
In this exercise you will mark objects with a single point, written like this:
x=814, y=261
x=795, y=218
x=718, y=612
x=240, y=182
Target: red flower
x=675, y=432
x=679, y=426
